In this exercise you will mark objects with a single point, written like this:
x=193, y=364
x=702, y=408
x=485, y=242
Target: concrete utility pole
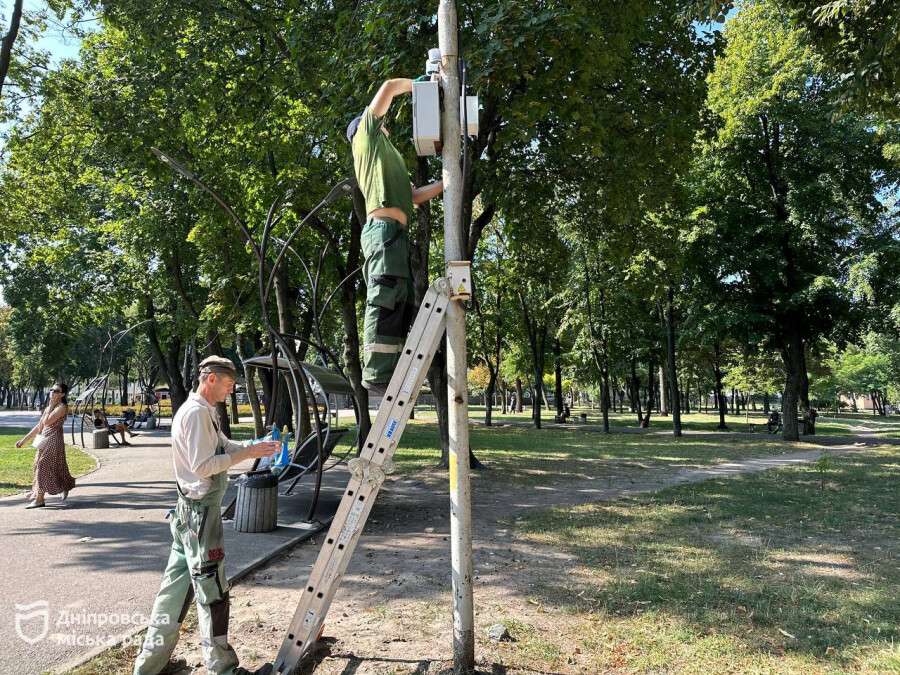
x=460, y=495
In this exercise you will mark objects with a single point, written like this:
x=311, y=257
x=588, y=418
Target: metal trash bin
x=101, y=438
x=256, y=508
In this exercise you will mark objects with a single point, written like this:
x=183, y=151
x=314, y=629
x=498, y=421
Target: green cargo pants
x=196, y=568
x=390, y=298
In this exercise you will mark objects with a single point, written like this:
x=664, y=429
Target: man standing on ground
x=390, y=199
x=201, y=455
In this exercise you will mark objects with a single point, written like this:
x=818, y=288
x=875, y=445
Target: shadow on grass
x=796, y=561
x=324, y=650
x=556, y=457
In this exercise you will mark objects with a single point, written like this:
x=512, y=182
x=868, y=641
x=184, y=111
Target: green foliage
x=859, y=39
x=782, y=215
x=873, y=366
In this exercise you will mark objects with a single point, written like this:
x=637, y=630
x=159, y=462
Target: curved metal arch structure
x=84, y=404
x=283, y=360
x=309, y=454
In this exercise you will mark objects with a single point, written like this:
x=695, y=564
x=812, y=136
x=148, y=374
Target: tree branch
x=8, y=40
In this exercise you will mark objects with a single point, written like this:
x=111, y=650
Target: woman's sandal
x=35, y=505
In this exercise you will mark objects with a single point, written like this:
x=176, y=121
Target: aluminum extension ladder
x=368, y=470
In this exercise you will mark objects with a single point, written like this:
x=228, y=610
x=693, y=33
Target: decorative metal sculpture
x=283, y=358
x=83, y=408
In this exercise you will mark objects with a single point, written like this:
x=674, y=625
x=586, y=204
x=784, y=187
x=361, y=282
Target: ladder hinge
x=366, y=470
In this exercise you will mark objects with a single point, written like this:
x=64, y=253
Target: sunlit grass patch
x=553, y=455
x=16, y=463
x=772, y=572
x=557, y=456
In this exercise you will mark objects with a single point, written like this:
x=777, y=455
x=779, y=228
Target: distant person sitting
x=102, y=422
x=773, y=425
x=128, y=419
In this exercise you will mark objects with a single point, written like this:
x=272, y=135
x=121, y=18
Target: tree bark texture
x=795, y=372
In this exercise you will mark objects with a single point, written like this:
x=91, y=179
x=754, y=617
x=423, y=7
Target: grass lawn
x=788, y=571
x=555, y=455
x=15, y=463
x=827, y=424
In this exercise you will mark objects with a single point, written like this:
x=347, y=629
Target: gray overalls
x=196, y=567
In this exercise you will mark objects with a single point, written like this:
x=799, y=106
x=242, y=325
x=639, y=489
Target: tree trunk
x=224, y=420
x=437, y=380
x=282, y=413
x=536, y=400
x=766, y=403
x=663, y=392
x=351, y=293
x=792, y=356
x=670, y=360
x=604, y=399
x=557, y=376
x=519, y=394
x=6, y=46
x=252, y=396
x=168, y=360
x=235, y=413
x=635, y=391
x=489, y=397
x=123, y=394
x=720, y=395
x=651, y=385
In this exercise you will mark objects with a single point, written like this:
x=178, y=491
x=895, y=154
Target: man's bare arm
x=427, y=192
x=386, y=93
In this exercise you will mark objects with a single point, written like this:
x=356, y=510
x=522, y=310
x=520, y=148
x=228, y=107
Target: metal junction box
x=471, y=115
x=459, y=274
x=426, y=113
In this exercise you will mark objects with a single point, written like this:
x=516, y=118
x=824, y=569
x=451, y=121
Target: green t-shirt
x=380, y=169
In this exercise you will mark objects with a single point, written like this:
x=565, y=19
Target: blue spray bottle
x=273, y=460
x=285, y=458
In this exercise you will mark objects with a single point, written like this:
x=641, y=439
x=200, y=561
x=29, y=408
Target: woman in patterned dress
x=51, y=472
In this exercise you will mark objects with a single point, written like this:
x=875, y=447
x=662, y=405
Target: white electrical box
x=459, y=275
x=426, y=114
x=471, y=110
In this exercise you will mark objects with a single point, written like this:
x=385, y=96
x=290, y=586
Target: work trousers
x=196, y=569
x=390, y=298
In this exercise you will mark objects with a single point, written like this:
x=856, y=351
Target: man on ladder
x=390, y=199
x=395, y=367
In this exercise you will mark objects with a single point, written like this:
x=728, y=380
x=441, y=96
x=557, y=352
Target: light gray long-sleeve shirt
x=195, y=437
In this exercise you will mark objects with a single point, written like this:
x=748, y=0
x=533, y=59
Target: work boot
x=375, y=388
x=174, y=667
x=264, y=669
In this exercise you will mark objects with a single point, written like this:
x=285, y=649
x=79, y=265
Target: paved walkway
x=99, y=556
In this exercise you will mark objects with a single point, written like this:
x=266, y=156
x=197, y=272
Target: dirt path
x=392, y=613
